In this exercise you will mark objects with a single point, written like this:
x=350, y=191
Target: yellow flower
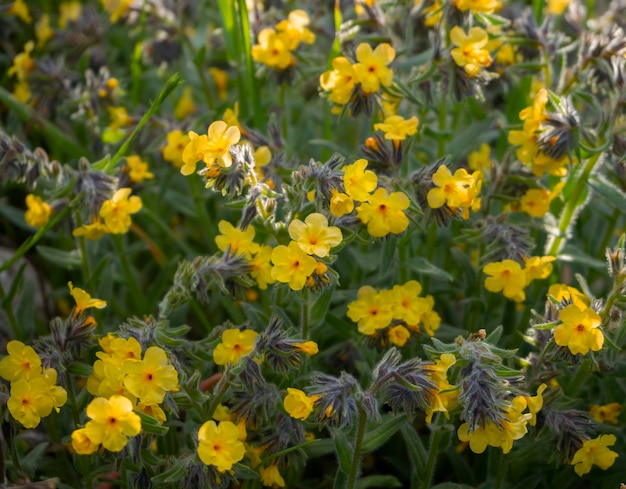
x=457, y=191
x=214, y=148
x=406, y=306
x=298, y=405
x=398, y=335
x=185, y=105
x=397, y=128
x=43, y=31
x=138, y=170
x=23, y=63
x=579, y=330
x=261, y=267
x=359, y=182
x=535, y=404
x=149, y=379
x=534, y=114
x=83, y=300
x=112, y=422
x=119, y=117
x=21, y=363
x=430, y=319
x=384, y=213
x=538, y=267
x=484, y=6
x=69, y=11
x=557, y=7
x=116, y=212
x=470, y=53
x=605, y=414
x=240, y=242
x=309, y=348
x=562, y=291
x=506, y=276
x=82, y=444
x=270, y=476
x=220, y=78
x=92, y=231
x=536, y=202
x=38, y=212
x=292, y=265
x=314, y=236
x=432, y=14
x=446, y=396
x=220, y=445
x=273, y=50
x=20, y=9
x=235, y=345
x=594, y=452
x=480, y=160
x=340, y=203
x=371, y=310
x=173, y=150
x=30, y=401
x=371, y=70
x=117, y=8
x=339, y=81
x=295, y=30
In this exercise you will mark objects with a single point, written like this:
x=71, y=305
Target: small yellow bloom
x=220, y=445
x=470, y=53
x=273, y=50
x=30, y=401
x=117, y=8
x=480, y=160
x=240, y=242
x=298, y=404
x=212, y=148
x=359, y=182
x=83, y=300
x=557, y=7
x=20, y=9
x=116, y=212
x=476, y=6
x=69, y=11
x=292, y=265
x=235, y=345
x=270, y=476
x=339, y=81
x=23, y=63
x=43, y=31
x=314, y=235
x=295, y=30
x=185, y=105
x=38, y=212
x=220, y=78
x=562, y=291
x=595, y=452
x=371, y=310
x=371, y=70
x=384, y=213
x=538, y=267
x=138, y=170
x=607, y=413
x=579, y=330
x=261, y=267
x=21, y=363
x=112, y=422
x=506, y=276
x=82, y=444
x=92, y=231
x=309, y=348
x=397, y=128
x=173, y=150
x=399, y=335
x=340, y=203
x=151, y=378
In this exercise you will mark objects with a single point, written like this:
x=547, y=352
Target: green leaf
x=31, y=461
x=318, y=312
x=80, y=369
x=67, y=259
x=383, y=431
x=607, y=189
x=343, y=449
x=176, y=473
x=151, y=425
x=495, y=335
x=415, y=449
x=378, y=481
x=572, y=254
x=422, y=265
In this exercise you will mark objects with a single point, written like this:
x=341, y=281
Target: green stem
x=358, y=446
x=581, y=374
x=503, y=468
x=433, y=451
x=305, y=316
x=71, y=394
x=198, y=63
x=246, y=46
x=129, y=275
x=7, y=303
x=205, y=222
x=266, y=460
x=572, y=204
x=441, y=139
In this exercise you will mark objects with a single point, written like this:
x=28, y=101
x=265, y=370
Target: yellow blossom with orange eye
x=579, y=330
x=298, y=405
x=538, y=267
x=112, y=421
x=21, y=363
x=506, y=276
x=220, y=78
x=219, y=445
x=358, y=181
x=173, y=150
x=138, y=170
x=185, y=105
x=384, y=213
x=339, y=81
x=594, y=452
x=371, y=310
x=480, y=160
x=314, y=235
x=340, y=203
x=295, y=30
x=213, y=148
x=69, y=11
x=240, y=242
x=476, y=6
x=406, y=304
x=470, y=54
x=38, y=211
x=92, y=231
x=235, y=345
x=292, y=265
x=83, y=300
x=151, y=378
x=536, y=202
x=31, y=400
x=458, y=191
x=371, y=70
x=397, y=128
x=261, y=267
x=116, y=212
x=273, y=50
x=607, y=413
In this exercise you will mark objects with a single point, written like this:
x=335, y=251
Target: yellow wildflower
x=69, y=11
x=116, y=212
x=261, y=267
x=185, y=105
x=270, y=476
x=20, y=9
x=295, y=30
x=21, y=363
x=594, y=452
x=384, y=213
x=398, y=335
x=117, y=8
x=82, y=444
x=273, y=50
x=83, y=300
x=138, y=170
x=339, y=81
x=506, y=276
x=235, y=345
x=112, y=422
x=298, y=405
x=476, y=6
x=220, y=445
x=240, y=242
x=607, y=413
x=38, y=212
x=92, y=231
x=292, y=265
x=480, y=160
x=371, y=70
x=211, y=148
x=470, y=53
x=340, y=203
x=23, y=63
x=151, y=378
x=557, y=7
x=359, y=182
x=371, y=310
x=397, y=128
x=314, y=235
x=538, y=267
x=579, y=330
x=220, y=78
x=173, y=150
x=43, y=31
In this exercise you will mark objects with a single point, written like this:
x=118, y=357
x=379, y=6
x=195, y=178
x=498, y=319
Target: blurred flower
x=470, y=53
x=117, y=211
x=138, y=170
x=117, y=8
x=579, y=330
x=538, y=267
x=314, y=235
x=173, y=150
x=446, y=395
x=298, y=404
x=476, y=6
x=371, y=70
x=292, y=265
x=20, y=9
x=23, y=63
x=273, y=50
x=112, y=422
x=184, y=106
x=557, y=7
x=295, y=30
x=82, y=444
x=270, y=476
x=480, y=160
x=220, y=78
x=220, y=445
x=43, y=31
x=607, y=413
x=235, y=345
x=69, y=11
x=594, y=452
x=240, y=242
x=506, y=276
x=38, y=212
x=571, y=295
x=359, y=182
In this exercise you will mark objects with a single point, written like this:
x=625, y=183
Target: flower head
x=579, y=330
x=607, y=413
x=384, y=213
x=116, y=212
x=371, y=70
x=149, y=379
x=314, y=235
x=506, y=276
x=359, y=182
x=470, y=53
x=371, y=310
x=213, y=148
x=295, y=30
x=298, y=404
x=220, y=445
x=138, y=170
x=339, y=81
x=594, y=452
x=38, y=212
x=397, y=128
x=84, y=300
x=22, y=362
x=173, y=150
x=112, y=422
x=292, y=265
x=273, y=49
x=235, y=345
x=240, y=242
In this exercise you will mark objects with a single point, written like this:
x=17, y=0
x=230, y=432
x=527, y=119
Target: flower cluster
x=393, y=315
x=34, y=392
x=458, y=192
x=276, y=46
x=114, y=217
x=471, y=52
x=509, y=277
